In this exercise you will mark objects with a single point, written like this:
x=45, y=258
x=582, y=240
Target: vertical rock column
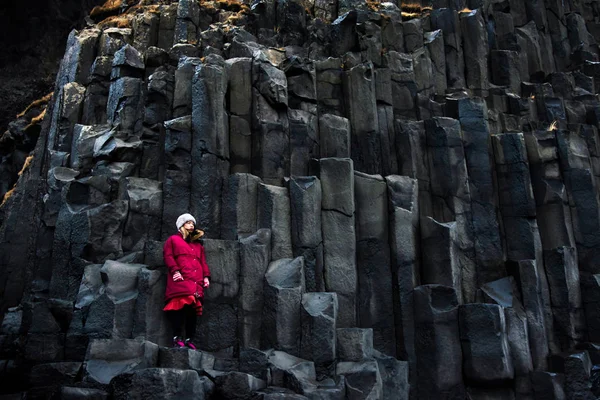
x=516, y=201
x=441, y=258
x=284, y=287
x=447, y=20
x=274, y=213
x=307, y=238
x=576, y=168
x=304, y=140
x=217, y=329
x=590, y=286
x=210, y=143
x=145, y=30
x=505, y=69
x=67, y=112
x=166, y=26
x=517, y=208
x=302, y=115
x=475, y=47
x=451, y=197
x=186, y=24
x=145, y=197
x=255, y=255
x=385, y=116
x=339, y=238
x=552, y=204
x=184, y=74
x=530, y=284
x=484, y=342
x=439, y=355
x=150, y=320
x=373, y=261
x=472, y=114
x=413, y=160
x=78, y=58
x=565, y=296
x=330, y=97
x=270, y=125
x=158, y=106
x=359, y=90
x=240, y=108
x=404, y=243
x=404, y=85
x=238, y=211
x=434, y=45
x=96, y=94
x=125, y=107
x=178, y=172
x=319, y=315
x=334, y=136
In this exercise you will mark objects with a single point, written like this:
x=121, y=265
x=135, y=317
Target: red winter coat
x=190, y=260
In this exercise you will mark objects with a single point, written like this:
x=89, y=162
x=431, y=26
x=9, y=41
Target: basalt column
x=339, y=237
x=373, y=261
x=210, y=144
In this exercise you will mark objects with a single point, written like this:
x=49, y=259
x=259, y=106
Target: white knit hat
x=183, y=218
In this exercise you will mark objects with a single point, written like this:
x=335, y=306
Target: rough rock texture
x=399, y=201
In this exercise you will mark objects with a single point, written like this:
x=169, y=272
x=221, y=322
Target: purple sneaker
x=178, y=342
x=190, y=344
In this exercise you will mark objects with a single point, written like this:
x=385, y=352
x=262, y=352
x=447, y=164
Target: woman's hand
x=177, y=276
x=206, y=282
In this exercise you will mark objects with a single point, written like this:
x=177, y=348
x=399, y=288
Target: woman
x=187, y=278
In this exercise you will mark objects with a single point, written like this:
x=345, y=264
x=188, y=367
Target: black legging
x=176, y=317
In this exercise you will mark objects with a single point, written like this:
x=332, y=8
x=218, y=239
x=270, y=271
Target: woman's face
x=189, y=226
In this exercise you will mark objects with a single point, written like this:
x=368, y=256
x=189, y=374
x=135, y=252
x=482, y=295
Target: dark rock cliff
x=399, y=200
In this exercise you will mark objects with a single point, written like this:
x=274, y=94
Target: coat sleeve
x=169, y=257
x=205, y=270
